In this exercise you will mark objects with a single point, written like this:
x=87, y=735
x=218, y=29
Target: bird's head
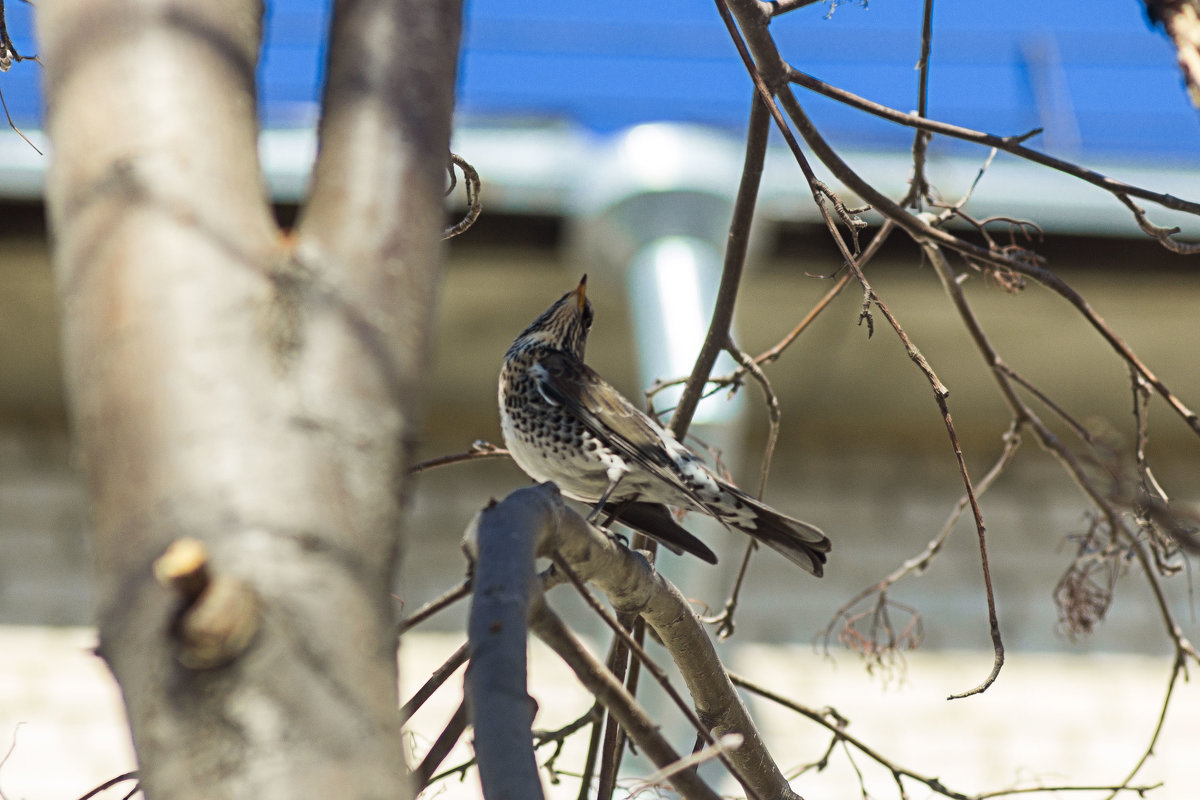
x=563, y=326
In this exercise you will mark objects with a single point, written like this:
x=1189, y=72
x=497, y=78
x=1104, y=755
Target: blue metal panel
x=607, y=66
x=1102, y=83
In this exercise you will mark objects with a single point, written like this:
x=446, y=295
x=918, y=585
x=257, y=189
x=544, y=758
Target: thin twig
x=648, y=663
x=1023, y=415
x=724, y=620
x=471, y=184
x=13, y=125
x=1058, y=411
x=838, y=730
x=837, y=727
x=434, y=682
x=940, y=393
x=1178, y=668
x=612, y=743
x=596, y=740
x=774, y=413
x=764, y=79
x=111, y=782
x=551, y=630
x=434, y=606
x=423, y=775
x=1009, y=144
x=725, y=744
x=1059, y=286
x=919, y=185
x=12, y=746
x=589, y=764
x=921, y=561
x=479, y=449
x=592, y=717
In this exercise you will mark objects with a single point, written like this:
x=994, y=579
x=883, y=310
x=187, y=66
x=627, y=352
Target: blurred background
x=609, y=140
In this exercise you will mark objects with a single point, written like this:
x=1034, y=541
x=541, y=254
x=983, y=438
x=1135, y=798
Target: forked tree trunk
x=251, y=390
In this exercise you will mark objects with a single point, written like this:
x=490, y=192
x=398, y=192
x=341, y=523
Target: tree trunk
x=253, y=391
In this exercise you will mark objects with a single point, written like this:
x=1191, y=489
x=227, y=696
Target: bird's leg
x=612, y=511
x=614, y=478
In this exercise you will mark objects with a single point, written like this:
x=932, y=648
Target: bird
x=564, y=423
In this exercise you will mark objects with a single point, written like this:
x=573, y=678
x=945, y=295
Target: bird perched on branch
x=562, y=422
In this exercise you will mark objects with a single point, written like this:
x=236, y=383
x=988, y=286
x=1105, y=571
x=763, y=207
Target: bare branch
x=1178, y=668
x=635, y=648
x=1163, y=235
x=1060, y=287
x=1009, y=144
x=472, y=185
x=614, y=696
x=433, y=606
x=479, y=449
x=766, y=75
x=919, y=185
x=872, y=647
x=592, y=718
x=774, y=413
x=724, y=620
x=13, y=745
x=13, y=125
x=423, y=775
x=434, y=682
x=838, y=729
x=731, y=272
x=111, y=782
x=612, y=743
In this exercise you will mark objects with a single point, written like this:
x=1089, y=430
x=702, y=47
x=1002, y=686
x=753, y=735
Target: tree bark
x=251, y=391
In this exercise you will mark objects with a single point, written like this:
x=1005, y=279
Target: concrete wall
x=863, y=451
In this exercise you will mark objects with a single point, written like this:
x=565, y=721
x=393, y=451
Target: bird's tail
x=802, y=543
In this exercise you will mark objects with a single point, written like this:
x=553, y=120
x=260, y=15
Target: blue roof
x=1102, y=83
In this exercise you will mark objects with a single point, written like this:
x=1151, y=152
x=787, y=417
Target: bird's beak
x=581, y=292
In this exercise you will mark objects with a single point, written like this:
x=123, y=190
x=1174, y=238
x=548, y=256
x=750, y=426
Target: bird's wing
x=567, y=382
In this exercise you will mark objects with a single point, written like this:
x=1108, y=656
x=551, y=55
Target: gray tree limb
x=495, y=686
x=633, y=586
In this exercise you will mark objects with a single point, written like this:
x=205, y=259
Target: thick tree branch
x=368, y=239
x=224, y=389
x=633, y=586
x=523, y=521
x=498, y=702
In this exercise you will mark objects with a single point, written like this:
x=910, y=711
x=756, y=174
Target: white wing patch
x=540, y=375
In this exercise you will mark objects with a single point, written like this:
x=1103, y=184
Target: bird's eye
x=587, y=316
